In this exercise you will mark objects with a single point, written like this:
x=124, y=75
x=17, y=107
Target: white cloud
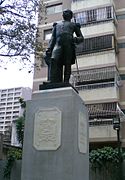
x=13, y=77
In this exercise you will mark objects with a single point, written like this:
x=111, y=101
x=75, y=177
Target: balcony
x=102, y=113
x=99, y=92
x=96, y=44
x=95, y=75
x=78, y=4
x=96, y=60
x=95, y=15
x=99, y=29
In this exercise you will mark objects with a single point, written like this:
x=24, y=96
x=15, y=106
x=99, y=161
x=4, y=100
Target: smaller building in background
x=10, y=108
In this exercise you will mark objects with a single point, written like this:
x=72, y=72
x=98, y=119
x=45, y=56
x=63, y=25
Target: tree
x=12, y=155
x=20, y=122
x=105, y=162
x=16, y=153
x=18, y=28
x=20, y=129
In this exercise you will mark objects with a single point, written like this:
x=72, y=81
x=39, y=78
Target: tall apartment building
x=101, y=77
x=10, y=108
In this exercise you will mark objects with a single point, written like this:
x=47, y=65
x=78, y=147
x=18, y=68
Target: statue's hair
x=67, y=14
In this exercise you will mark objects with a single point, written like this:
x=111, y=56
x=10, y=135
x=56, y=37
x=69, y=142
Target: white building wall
x=107, y=133
x=106, y=58
x=87, y=4
x=98, y=30
x=109, y=94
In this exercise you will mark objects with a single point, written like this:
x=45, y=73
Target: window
x=7, y=127
x=10, y=90
x=8, y=112
x=7, y=122
x=91, y=15
x=1, y=122
x=2, y=104
x=3, y=100
x=15, y=117
x=9, y=99
x=3, y=95
x=1, y=118
x=17, y=89
x=10, y=94
x=15, y=112
x=17, y=93
x=8, y=108
x=8, y=117
x=15, y=103
x=47, y=34
x=2, y=109
x=1, y=113
x=109, y=12
x=4, y=91
x=95, y=44
x=81, y=17
x=16, y=107
x=16, y=98
x=8, y=104
x=54, y=9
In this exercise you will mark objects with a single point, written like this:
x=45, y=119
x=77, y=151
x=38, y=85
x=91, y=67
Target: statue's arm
x=78, y=33
x=53, y=39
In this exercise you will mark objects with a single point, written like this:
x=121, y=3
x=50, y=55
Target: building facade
x=100, y=79
x=10, y=108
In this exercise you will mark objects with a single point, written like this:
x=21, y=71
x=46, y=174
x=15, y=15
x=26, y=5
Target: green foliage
x=20, y=122
x=22, y=102
x=101, y=157
x=13, y=154
x=18, y=27
x=23, y=105
x=106, y=163
x=20, y=129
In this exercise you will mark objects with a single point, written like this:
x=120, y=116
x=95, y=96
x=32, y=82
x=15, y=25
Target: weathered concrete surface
x=66, y=162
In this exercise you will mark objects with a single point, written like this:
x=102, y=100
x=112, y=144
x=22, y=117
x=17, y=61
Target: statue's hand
x=78, y=40
x=47, y=56
x=75, y=40
x=48, y=52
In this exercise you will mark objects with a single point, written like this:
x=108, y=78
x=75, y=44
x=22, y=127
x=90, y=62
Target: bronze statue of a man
x=61, y=49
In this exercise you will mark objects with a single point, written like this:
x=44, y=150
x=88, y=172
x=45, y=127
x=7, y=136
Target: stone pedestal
x=56, y=137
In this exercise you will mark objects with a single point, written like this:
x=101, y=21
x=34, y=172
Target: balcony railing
x=96, y=75
x=99, y=92
x=95, y=86
x=95, y=15
x=102, y=111
x=96, y=44
x=100, y=122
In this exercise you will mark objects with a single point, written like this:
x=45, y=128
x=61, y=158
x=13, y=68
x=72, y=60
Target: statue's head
x=67, y=14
